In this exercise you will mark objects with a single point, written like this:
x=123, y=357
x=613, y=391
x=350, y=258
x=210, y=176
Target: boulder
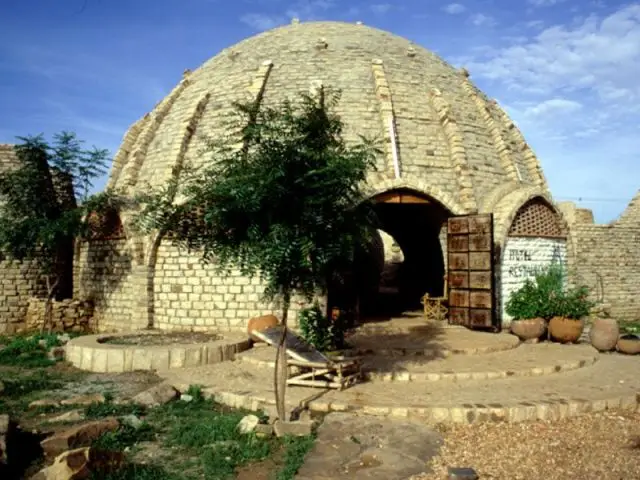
x=156, y=395
x=71, y=416
x=295, y=429
x=45, y=402
x=248, y=424
x=78, y=436
x=261, y=323
x=78, y=464
x=132, y=420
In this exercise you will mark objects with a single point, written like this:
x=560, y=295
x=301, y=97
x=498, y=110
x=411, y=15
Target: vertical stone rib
x=531, y=161
x=504, y=152
x=383, y=94
x=458, y=153
x=128, y=142
x=259, y=81
x=132, y=168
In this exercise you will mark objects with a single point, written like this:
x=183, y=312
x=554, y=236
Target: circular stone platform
x=524, y=361
x=415, y=336
x=151, y=350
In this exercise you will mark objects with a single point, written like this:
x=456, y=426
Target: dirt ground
x=597, y=446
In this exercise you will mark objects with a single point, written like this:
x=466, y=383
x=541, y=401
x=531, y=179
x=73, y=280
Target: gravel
x=598, y=446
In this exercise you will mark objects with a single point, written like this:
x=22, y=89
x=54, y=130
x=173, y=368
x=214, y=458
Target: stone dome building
x=448, y=151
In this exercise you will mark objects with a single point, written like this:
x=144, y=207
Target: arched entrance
x=404, y=260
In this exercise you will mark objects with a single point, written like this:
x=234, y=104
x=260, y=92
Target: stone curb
x=375, y=376
x=549, y=410
x=87, y=353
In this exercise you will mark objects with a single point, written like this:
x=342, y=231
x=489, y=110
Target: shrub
x=548, y=296
x=322, y=332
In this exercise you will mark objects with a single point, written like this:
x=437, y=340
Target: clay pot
x=528, y=329
x=604, y=334
x=261, y=323
x=566, y=330
x=629, y=344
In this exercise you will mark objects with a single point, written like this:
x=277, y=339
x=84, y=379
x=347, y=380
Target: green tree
x=43, y=201
x=282, y=200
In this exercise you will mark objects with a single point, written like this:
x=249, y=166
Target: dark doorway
x=383, y=285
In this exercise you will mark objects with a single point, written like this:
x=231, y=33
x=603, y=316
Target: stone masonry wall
x=522, y=258
x=191, y=296
x=67, y=315
x=103, y=274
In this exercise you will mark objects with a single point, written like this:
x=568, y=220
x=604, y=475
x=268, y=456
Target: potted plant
x=523, y=306
x=629, y=341
x=572, y=307
x=535, y=303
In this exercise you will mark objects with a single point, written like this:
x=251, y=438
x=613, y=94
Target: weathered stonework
x=66, y=316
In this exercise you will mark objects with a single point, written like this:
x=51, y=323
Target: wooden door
x=470, y=271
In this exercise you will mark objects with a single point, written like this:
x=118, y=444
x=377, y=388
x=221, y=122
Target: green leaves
x=288, y=205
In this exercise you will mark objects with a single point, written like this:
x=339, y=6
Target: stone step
x=526, y=360
x=612, y=382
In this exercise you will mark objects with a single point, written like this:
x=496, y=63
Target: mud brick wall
x=607, y=258
x=67, y=315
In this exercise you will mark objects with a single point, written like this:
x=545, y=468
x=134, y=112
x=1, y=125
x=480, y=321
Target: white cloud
x=552, y=107
x=482, y=20
x=381, y=8
x=301, y=9
x=454, y=8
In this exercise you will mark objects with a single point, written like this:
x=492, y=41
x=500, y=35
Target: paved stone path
x=360, y=447
x=526, y=360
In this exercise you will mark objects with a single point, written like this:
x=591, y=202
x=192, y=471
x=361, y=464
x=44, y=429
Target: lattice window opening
x=537, y=219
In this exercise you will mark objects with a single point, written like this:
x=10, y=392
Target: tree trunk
x=48, y=308
x=280, y=374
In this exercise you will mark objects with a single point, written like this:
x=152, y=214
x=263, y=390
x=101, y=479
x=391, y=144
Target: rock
x=5, y=423
x=64, y=338
x=296, y=429
x=248, y=424
x=79, y=463
x=42, y=343
x=262, y=430
x=261, y=323
x=186, y=397
x=462, y=474
x=132, y=421
x=56, y=353
x=72, y=416
x=78, y=436
x=156, y=395
x=84, y=399
x=45, y=402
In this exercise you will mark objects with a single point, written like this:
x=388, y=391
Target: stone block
x=465, y=473
x=296, y=429
x=79, y=436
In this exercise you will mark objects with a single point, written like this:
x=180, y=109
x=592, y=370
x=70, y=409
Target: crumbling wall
x=66, y=315
x=607, y=258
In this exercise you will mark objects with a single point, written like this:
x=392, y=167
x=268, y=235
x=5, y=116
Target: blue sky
x=566, y=70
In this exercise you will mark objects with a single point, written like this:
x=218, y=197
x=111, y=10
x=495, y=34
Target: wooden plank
x=458, y=261
x=459, y=298
x=480, y=261
x=458, y=243
x=457, y=225
x=480, y=299
x=480, y=280
x=459, y=279
x=479, y=242
x=480, y=317
x=458, y=316
x=480, y=223
x=296, y=347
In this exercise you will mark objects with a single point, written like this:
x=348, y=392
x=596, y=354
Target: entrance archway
x=404, y=260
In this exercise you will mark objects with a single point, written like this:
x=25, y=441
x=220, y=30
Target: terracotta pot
x=528, y=329
x=261, y=323
x=629, y=344
x=604, y=334
x=566, y=330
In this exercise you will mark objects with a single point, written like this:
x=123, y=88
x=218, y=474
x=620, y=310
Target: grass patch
x=295, y=450
x=28, y=351
x=124, y=437
x=109, y=409
x=136, y=471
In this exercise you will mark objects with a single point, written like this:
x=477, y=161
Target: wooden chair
x=311, y=368
x=435, y=308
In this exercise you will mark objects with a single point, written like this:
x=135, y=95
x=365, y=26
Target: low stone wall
x=19, y=281
x=67, y=316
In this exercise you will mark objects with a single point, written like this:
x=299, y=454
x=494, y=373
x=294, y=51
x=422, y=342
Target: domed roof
x=441, y=134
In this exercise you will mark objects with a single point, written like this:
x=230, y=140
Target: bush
x=547, y=296
x=322, y=332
